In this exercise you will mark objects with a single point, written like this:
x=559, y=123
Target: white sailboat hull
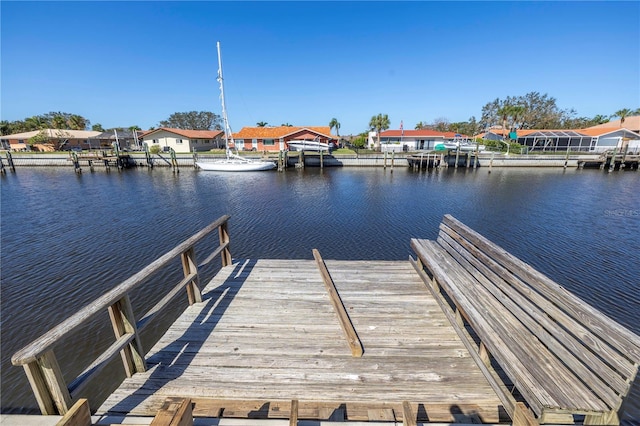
x=233, y=165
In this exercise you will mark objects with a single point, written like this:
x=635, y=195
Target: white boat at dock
x=302, y=145
x=233, y=162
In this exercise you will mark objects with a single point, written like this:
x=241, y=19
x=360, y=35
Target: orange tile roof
x=191, y=134
x=278, y=132
x=631, y=122
x=599, y=130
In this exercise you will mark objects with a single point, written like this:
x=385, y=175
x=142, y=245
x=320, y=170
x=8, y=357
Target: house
x=594, y=139
x=183, y=140
x=276, y=138
x=413, y=140
x=49, y=140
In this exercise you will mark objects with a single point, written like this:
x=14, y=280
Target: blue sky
x=135, y=63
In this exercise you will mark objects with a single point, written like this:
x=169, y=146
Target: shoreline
x=485, y=160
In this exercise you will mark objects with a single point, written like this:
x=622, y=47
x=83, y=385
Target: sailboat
x=233, y=162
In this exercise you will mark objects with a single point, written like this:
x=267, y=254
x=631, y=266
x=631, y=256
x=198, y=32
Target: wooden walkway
x=266, y=331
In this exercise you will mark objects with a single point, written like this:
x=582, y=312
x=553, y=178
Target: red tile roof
x=191, y=134
x=278, y=132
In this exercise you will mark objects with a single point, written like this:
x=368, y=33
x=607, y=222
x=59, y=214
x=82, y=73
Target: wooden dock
x=266, y=330
x=464, y=333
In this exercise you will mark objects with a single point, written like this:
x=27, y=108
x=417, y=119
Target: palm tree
x=77, y=122
x=35, y=123
x=335, y=124
x=261, y=124
x=379, y=123
x=420, y=126
x=97, y=127
x=286, y=125
x=623, y=113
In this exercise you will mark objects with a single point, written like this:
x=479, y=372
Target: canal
x=66, y=238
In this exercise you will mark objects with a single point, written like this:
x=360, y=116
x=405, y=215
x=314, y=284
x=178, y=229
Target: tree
x=97, y=127
x=193, y=120
x=335, y=124
x=134, y=128
x=379, y=123
x=261, y=124
x=440, y=124
x=36, y=122
x=360, y=141
x=420, y=126
x=622, y=113
x=286, y=125
x=539, y=112
x=77, y=122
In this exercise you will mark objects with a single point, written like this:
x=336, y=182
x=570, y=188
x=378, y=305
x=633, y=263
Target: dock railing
x=52, y=393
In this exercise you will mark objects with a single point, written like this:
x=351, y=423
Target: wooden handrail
x=38, y=358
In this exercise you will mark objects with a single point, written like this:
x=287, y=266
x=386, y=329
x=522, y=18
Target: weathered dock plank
x=266, y=330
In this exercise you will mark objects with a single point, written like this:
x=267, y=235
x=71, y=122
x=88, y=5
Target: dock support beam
x=345, y=322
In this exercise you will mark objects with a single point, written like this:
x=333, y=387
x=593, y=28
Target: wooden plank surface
x=266, y=330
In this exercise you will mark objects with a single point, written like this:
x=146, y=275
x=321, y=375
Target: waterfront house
x=277, y=138
x=594, y=139
x=182, y=140
x=412, y=140
x=49, y=140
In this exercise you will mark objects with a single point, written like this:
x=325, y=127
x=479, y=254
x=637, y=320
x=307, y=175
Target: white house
x=412, y=140
x=184, y=140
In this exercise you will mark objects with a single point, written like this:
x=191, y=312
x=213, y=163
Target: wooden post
x=174, y=161
x=408, y=418
x=491, y=161
x=76, y=162
x=393, y=154
x=12, y=166
x=224, y=238
x=189, y=266
x=457, y=157
x=195, y=159
x=293, y=416
x=57, y=389
x=78, y=415
x=321, y=159
x=566, y=157
x=612, y=163
x=301, y=159
x=2, y=170
x=123, y=322
x=384, y=164
x=39, y=387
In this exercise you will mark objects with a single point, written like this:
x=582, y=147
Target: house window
x=21, y=141
x=155, y=141
x=178, y=140
x=194, y=141
x=268, y=142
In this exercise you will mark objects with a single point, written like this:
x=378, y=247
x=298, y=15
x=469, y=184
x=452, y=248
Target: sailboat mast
x=227, y=129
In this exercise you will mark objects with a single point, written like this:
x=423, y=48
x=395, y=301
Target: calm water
x=67, y=239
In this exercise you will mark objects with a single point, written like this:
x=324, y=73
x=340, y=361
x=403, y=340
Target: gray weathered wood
x=55, y=382
x=30, y=352
x=345, y=322
x=123, y=323
x=190, y=269
x=563, y=356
